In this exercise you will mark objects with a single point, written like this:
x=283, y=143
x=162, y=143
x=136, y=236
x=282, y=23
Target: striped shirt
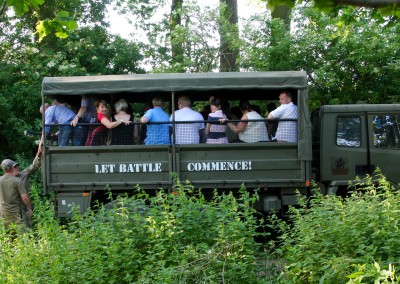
x=217, y=134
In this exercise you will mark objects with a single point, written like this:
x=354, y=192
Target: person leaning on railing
x=187, y=133
x=287, y=130
x=97, y=136
x=58, y=113
x=157, y=133
x=249, y=131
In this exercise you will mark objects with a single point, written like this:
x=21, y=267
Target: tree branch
x=370, y=3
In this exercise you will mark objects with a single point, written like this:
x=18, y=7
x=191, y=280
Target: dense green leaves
x=60, y=26
x=23, y=6
x=168, y=238
x=350, y=58
x=387, y=7
x=331, y=239
x=24, y=62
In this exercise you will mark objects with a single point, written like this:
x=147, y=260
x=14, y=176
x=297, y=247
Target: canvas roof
x=177, y=82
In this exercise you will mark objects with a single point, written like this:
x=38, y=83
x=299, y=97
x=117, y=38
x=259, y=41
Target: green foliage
x=24, y=63
x=23, y=6
x=61, y=25
x=338, y=53
x=332, y=240
x=168, y=238
x=266, y=45
x=386, y=7
x=195, y=35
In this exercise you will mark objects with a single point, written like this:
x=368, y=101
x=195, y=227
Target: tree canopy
x=387, y=7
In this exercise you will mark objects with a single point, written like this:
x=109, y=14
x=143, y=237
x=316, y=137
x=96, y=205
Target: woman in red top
x=99, y=134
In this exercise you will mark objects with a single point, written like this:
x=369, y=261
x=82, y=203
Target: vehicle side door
x=344, y=147
x=385, y=143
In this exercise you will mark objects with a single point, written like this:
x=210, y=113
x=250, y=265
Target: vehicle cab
x=355, y=140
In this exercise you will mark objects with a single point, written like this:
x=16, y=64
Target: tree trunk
x=283, y=13
x=228, y=33
x=176, y=42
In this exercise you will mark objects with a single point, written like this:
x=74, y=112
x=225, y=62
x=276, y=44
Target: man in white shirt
x=287, y=130
x=186, y=133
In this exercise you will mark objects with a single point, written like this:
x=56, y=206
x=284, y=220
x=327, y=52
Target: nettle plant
x=168, y=238
x=334, y=240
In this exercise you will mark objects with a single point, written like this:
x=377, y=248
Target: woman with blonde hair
x=124, y=134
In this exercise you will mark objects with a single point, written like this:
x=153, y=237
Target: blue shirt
x=58, y=114
x=157, y=133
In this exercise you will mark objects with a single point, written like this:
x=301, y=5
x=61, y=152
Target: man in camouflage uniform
x=15, y=204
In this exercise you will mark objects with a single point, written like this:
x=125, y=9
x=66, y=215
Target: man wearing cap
x=15, y=205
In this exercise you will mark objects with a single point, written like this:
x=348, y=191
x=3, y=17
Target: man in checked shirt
x=287, y=130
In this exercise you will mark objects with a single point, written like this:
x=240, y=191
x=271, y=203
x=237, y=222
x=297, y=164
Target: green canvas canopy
x=172, y=82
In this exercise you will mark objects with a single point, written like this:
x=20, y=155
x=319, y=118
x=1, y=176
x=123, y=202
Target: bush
x=168, y=238
x=335, y=240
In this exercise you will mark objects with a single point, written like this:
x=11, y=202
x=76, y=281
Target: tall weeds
x=168, y=238
x=336, y=240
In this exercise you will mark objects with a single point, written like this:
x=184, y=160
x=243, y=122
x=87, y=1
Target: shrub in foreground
x=334, y=240
x=168, y=238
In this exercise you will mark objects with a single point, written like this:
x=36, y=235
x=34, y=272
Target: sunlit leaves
x=61, y=25
x=23, y=6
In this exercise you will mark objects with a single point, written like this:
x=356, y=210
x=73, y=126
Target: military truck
x=335, y=143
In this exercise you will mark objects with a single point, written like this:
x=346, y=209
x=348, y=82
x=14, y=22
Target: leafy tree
x=339, y=53
x=59, y=24
x=265, y=45
x=24, y=62
x=165, y=38
x=387, y=7
x=341, y=58
x=282, y=12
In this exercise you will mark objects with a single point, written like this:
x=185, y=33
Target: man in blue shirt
x=157, y=133
x=58, y=113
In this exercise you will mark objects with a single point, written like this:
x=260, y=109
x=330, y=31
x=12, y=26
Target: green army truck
x=335, y=143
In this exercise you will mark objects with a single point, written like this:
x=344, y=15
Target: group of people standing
x=189, y=124
x=184, y=126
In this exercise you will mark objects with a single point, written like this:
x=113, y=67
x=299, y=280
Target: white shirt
x=187, y=133
x=287, y=130
x=255, y=131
